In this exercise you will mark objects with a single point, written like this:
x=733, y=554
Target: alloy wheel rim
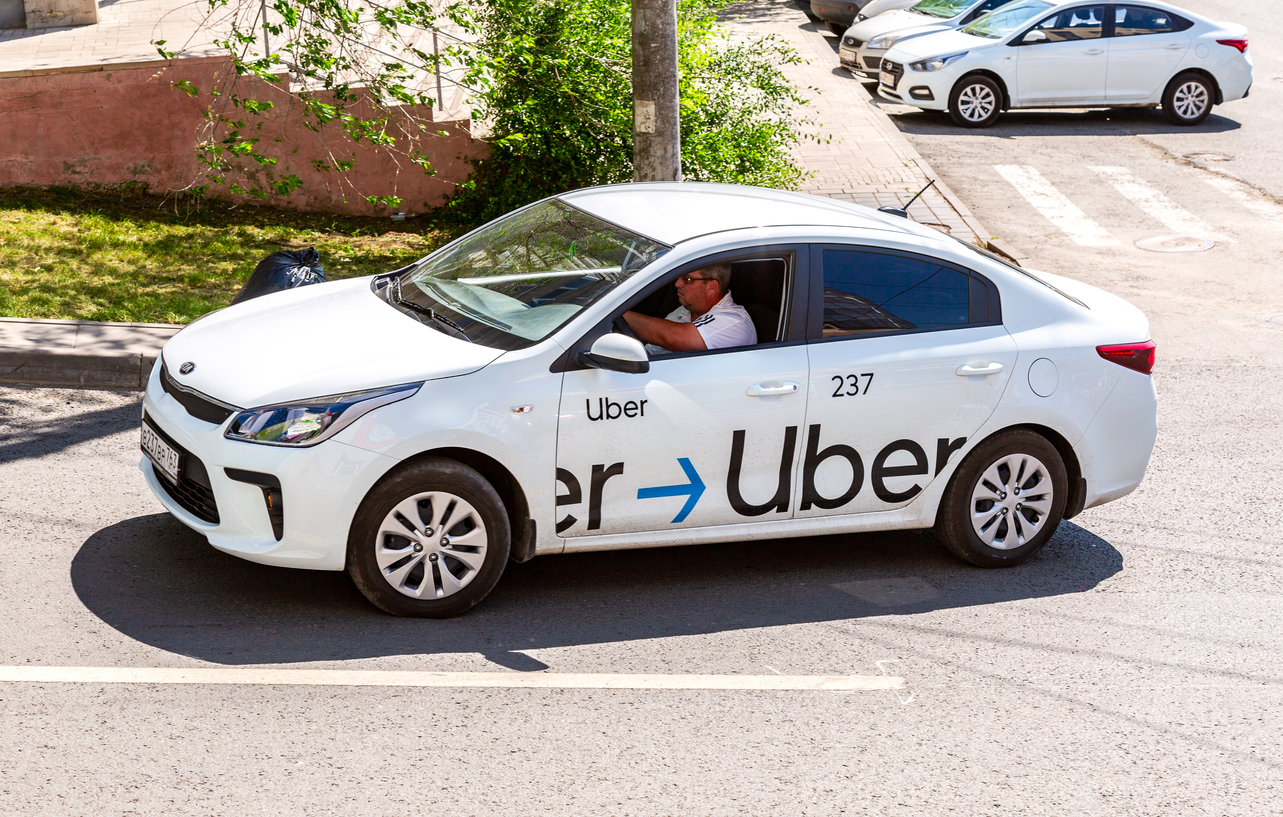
x=976, y=103
x=430, y=545
x=1011, y=501
x=1190, y=100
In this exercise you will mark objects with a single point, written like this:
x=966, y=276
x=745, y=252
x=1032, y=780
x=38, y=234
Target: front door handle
x=968, y=370
x=1095, y=52
x=775, y=390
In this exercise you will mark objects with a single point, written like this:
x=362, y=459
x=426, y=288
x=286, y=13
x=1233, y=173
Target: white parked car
x=422, y=427
x=864, y=43
x=1033, y=54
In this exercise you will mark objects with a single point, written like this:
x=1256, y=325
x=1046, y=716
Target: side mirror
x=1034, y=37
x=617, y=353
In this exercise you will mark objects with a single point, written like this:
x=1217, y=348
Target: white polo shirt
x=727, y=324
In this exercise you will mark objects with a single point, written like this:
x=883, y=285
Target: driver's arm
x=673, y=336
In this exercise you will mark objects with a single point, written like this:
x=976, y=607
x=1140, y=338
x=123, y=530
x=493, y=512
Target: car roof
x=672, y=212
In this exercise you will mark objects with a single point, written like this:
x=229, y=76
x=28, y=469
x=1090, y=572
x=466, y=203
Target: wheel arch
x=984, y=72
x=507, y=486
x=1073, y=469
x=1218, y=95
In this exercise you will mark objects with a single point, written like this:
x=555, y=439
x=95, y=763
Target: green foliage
x=551, y=80
x=556, y=93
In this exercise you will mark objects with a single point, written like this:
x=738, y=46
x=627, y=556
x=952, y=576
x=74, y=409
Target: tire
x=1008, y=528
x=975, y=102
x=415, y=569
x=1188, y=99
x=836, y=28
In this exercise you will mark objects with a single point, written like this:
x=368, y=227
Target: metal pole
x=436, y=66
x=657, y=149
x=267, y=51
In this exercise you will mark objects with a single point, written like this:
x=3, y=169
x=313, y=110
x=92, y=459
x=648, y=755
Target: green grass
x=117, y=254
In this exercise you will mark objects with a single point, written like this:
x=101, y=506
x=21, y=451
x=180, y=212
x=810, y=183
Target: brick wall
x=127, y=123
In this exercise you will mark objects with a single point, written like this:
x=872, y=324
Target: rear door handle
x=968, y=370
x=1175, y=47
x=762, y=390
x=1094, y=52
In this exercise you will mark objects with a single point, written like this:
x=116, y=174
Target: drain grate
x=1175, y=243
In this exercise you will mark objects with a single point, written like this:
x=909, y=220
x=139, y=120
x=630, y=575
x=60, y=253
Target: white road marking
x=1249, y=198
x=467, y=680
x=1059, y=210
x=1148, y=198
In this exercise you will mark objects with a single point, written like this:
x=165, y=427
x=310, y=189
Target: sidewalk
x=866, y=161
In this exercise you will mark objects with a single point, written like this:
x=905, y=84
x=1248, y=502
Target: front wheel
x=836, y=28
x=1188, y=99
x=1005, y=501
x=429, y=541
x=975, y=102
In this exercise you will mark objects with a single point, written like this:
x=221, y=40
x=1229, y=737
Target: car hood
x=949, y=41
x=314, y=341
x=885, y=22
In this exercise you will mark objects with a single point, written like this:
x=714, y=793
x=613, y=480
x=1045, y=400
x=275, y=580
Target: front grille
x=194, y=492
x=872, y=63
x=196, y=404
x=895, y=70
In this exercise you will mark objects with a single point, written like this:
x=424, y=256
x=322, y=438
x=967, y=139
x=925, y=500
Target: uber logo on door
x=608, y=409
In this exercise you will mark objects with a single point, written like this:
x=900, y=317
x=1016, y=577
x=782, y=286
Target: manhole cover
x=1175, y=243
x=1204, y=156
x=1273, y=320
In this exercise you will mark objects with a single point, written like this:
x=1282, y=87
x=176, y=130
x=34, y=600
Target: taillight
x=1241, y=45
x=1136, y=356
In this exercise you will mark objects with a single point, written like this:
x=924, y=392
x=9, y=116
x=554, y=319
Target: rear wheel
x=1188, y=99
x=975, y=102
x=805, y=6
x=430, y=541
x=1005, y=500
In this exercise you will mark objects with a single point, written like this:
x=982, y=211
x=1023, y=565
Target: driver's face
x=694, y=291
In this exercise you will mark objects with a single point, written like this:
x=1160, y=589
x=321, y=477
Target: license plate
x=167, y=459
x=887, y=79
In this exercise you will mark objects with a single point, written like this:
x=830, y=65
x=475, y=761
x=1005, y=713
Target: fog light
x=921, y=92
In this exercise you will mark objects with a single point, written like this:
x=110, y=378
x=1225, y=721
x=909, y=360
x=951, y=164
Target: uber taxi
x=489, y=402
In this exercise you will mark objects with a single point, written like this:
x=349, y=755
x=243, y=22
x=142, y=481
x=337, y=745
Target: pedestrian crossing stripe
x=1056, y=207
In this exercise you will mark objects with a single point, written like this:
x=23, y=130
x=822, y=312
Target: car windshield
x=516, y=280
x=1000, y=23
x=943, y=9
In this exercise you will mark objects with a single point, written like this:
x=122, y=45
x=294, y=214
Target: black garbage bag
x=286, y=269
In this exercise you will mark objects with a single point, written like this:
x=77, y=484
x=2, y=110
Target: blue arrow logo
x=693, y=490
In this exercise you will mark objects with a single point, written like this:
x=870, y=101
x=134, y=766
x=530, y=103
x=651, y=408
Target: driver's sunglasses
x=690, y=279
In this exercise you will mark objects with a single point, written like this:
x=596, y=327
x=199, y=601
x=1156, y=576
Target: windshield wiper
x=430, y=312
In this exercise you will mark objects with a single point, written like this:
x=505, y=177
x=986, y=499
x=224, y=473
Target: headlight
x=308, y=422
x=882, y=43
x=936, y=63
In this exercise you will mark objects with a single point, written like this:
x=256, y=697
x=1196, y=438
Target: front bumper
x=320, y=489
x=924, y=89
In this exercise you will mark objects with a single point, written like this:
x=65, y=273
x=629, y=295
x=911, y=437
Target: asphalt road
x=1131, y=668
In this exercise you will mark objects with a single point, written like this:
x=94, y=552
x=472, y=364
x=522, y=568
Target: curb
x=49, y=368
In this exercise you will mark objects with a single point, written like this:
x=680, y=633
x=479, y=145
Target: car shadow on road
x=1076, y=122
x=159, y=583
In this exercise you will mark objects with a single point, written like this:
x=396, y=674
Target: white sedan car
x=1034, y=54
x=422, y=427
x=863, y=44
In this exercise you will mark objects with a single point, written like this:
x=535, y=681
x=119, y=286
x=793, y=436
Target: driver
x=707, y=319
